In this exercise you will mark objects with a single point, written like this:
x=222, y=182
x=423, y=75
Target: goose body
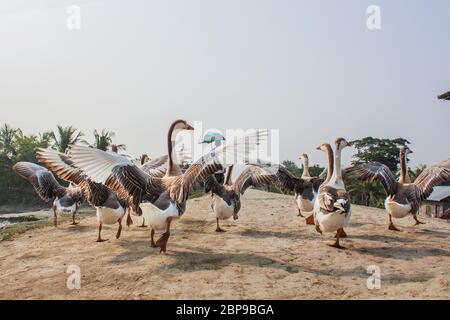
x=404, y=198
x=306, y=197
x=66, y=201
x=221, y=209
x=157, y=218
x=332, y=210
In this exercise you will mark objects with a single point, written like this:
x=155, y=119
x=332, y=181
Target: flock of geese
x=158, y=190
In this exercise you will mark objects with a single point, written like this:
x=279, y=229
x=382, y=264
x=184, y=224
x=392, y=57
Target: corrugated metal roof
x=444, y=96
x=439, y=193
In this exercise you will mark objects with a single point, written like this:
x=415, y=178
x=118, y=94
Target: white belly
x=330, y=222
x=64, y=210
x=221, y=209
x=108, y=215
x=304, y=204
x=397, y=210
x=156, y=218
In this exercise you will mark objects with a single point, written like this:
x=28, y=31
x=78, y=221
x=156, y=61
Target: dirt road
x=269, y=253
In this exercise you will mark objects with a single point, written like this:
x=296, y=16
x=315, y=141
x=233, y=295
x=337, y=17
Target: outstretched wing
x=432, y=176
x=61, y=165
x=376, y=171
x=42, y=180
x=111, y=168
x=236, y=150
x=254, y=176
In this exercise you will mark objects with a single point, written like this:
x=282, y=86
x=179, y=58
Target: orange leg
x=99, y=239
x=119, y=231
x=162, y=242
x=391, y=224
x=218, y=228
x=310, y=220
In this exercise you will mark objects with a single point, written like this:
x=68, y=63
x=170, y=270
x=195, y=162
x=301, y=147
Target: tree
x=104, y=139
x=369, y=149
x=65, y=136
x=7, y=137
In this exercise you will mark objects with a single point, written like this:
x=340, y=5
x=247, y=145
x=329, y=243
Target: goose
x=226, y=202
x=403, y=198
x=305, y=199
x=404, y=176
x=110, y=206
x=66, y=201
x=332, y=208
x=161, y=199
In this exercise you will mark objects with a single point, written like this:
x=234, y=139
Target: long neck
x=403, y=174
x=228, y=173
x=337, y=174
x=330, y=158
x=305, y=173
x=170, y=149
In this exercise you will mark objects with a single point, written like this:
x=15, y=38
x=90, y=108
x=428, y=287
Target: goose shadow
x=379, y=238
x=295, y=235
x=80, y=228
x=402, y=253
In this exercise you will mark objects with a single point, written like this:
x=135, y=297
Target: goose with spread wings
x=226, y=197
x=161, y=199
x=403, y=198
x=110, y=206
x=66, y=200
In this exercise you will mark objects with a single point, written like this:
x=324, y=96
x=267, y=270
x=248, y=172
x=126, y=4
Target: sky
x=311, y=69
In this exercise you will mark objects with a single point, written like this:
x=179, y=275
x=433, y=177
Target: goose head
x=303, y=156
x=405, y=150
x=324, y=147
x=341, y=143
x=181, y=125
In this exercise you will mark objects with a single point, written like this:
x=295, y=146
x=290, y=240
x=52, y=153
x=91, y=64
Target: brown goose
x=404, y=198
x=161, y=199
x=332, y=210
x=226, y=201
x=404, y=176
x=305, y=199
x=66, y=200
x=110, y=206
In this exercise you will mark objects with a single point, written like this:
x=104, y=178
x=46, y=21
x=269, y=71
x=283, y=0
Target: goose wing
x=256, y=176
x=235, y=150
x=42, y=180
x=156, y=167
x=432, y=176
x=61, y=165
x=115, y=171
x=376, y=171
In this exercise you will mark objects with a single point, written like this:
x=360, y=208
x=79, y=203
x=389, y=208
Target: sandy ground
x=269, y=253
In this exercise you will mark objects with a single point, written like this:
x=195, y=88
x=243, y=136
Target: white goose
x=66, y=200
x=226, y=197
x=306, y=197
x=404, y=198
x=332, y=208
x=161, y=199
x=110, y=206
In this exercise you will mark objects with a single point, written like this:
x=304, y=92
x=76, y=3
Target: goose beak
x=339, y=206
x=318, y=148
x=189, y=127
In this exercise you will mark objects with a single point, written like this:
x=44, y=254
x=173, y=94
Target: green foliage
x=16, y=146
x=104, y=139
x=65, y=136
x=369, y=149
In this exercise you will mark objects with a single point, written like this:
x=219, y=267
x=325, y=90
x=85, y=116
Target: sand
x=269, y=253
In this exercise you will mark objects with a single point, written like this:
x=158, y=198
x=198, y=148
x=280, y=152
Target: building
x=444, y=96
x=437, y=204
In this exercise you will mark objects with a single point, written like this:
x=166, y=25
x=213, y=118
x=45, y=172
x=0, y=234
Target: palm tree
x=7, y=139
x=103, y=140
x=65, y=136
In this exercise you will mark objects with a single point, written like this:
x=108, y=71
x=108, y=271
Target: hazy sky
x=309, y=68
